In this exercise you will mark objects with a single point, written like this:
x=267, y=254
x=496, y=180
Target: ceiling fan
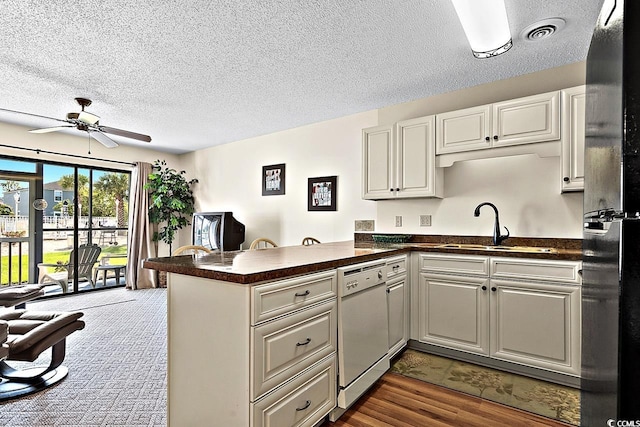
x=88, y=122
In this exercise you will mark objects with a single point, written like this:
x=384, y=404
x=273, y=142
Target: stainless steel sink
x=475, y=247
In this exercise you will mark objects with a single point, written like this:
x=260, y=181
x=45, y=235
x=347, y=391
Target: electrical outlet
x=425, y=220
x=364, y=225
x=398, y=221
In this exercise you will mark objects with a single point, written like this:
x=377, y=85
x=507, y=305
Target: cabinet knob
x=565, y=179
x=484, y=288
x=486, y=138
x=388, y=291
x=493, y=289
x=391, y=189
x=397, y=189
x=495, y=137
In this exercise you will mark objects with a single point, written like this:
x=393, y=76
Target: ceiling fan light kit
x=486, y=26
x=88, y=122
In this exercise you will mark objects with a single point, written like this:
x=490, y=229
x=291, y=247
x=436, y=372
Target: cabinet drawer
x=300, y=403
x=536, y=269
x=275, y=299
x=455, y=264
x=284, y=347
x=396, y=266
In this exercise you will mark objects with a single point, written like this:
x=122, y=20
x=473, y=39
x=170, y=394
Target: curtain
x=139, y=244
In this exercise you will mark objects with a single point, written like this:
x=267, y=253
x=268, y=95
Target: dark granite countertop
x=247, y=267
x=269, y=264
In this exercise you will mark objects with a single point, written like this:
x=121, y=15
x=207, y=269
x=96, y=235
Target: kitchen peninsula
x=252, y=334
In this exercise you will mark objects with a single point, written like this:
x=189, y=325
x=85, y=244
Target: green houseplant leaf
x=171, y=201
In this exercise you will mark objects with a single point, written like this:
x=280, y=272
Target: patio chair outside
x=87, y=257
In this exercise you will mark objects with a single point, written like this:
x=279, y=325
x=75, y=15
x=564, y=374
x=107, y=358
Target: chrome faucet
x=497, y=238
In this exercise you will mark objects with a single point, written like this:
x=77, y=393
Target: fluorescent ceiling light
x=486, y=26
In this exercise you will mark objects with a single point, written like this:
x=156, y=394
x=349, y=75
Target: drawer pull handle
x=395, y=268
x=307, y=341
x=303, y=294
x=306, y=405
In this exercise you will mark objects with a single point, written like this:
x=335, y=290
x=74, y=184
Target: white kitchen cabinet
x=573, y=136
x=397, y=304
x=251, y=355
x=454, y=312
x=399, y=162
x=536, y=324
x=518, y=121
x=453, y=302
x=378, y=167
x=513, y=309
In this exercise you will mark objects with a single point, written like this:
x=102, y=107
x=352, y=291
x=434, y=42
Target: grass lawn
x=52, y=258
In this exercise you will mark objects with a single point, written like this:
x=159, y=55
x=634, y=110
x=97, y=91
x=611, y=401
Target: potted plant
x=171, y=201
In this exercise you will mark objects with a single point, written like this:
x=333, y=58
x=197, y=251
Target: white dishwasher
x=363, y=337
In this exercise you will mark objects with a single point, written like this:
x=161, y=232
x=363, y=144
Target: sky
x=52, y=173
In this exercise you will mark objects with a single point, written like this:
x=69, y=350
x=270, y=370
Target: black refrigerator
x=611, y=247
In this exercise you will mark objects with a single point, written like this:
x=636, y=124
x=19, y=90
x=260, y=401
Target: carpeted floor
x=117, y=365
x=540, y=397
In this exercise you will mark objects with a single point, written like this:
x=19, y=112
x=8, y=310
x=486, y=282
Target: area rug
x=539, y=397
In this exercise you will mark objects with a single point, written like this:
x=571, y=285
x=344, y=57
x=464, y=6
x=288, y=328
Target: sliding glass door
x=74, y=221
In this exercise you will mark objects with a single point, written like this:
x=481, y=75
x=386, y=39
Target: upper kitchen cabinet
x=532, y=119
x=573, y=131
x=400, y=164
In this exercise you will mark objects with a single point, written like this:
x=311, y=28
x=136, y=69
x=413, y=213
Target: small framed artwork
x=273, y=180
x=323, y=193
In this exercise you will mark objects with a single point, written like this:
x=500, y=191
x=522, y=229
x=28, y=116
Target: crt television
x=217, y=231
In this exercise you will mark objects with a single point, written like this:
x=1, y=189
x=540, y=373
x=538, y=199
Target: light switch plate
x=398, y=220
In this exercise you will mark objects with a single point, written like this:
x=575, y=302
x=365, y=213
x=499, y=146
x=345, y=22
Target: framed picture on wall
x=273, y=180
x=323, y=193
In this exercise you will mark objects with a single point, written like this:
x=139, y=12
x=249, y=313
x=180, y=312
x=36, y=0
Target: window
x=57, y=195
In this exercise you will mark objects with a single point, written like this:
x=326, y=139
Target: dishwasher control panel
x=357, y=278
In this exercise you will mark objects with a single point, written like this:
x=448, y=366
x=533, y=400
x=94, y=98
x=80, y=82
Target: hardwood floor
x=398, y=401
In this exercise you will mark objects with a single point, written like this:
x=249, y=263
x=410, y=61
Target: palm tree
x=115, y=186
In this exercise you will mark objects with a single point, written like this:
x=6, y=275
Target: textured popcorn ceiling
x=195, y=73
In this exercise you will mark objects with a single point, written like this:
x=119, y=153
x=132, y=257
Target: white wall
x=59, y=142
x=526, y=189
x=230, y=180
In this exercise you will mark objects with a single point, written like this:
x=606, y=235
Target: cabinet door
x=573, y=129
x=454, y=312
x=377, y=163
x=526, y=120
x=463, y=130
x=416, y=172
x=396, y=310
x=536, y=324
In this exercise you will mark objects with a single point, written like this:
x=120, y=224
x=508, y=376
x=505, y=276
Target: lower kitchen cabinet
x=454, y=312
x=524, y=311
x=536, y=324
x=259, y=355
x=397, y=304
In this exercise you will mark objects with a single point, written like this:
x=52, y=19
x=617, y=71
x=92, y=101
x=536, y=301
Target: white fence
x=20, y=222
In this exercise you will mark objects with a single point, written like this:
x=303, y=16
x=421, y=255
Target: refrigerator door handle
x=605, y=215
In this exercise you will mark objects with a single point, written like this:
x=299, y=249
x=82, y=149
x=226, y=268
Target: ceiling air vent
x=542, y=29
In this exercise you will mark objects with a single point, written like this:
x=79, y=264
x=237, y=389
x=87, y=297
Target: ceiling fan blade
x=125, y=133
x=53, y=129
x=36, y=116
x=103, y=139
